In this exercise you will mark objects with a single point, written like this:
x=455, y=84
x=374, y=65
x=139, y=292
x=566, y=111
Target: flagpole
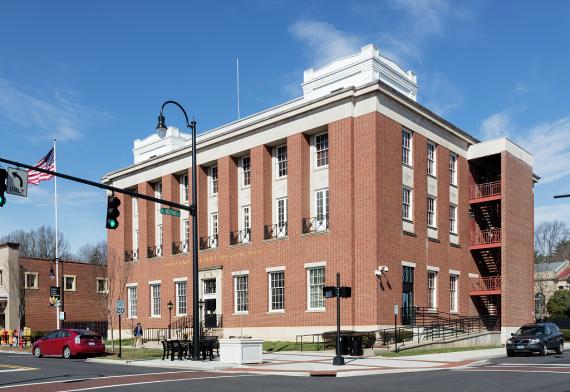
x=56, y=229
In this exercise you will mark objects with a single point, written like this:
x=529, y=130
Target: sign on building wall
x=54, y=296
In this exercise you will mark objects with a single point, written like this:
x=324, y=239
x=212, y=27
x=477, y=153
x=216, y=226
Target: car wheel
x=560, y=348
x=510, y=353
x=37, y=352
x=544, y=351
x=67, y=352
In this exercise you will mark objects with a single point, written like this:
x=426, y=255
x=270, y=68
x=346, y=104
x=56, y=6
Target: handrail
x=154, y=251
x=209, y=242
x=482, y=237
x=316, y=224
x=488, y=283
x=486, y=189
x=278, y=230
x=131, y=255
x=180, y=247
x=240, y=237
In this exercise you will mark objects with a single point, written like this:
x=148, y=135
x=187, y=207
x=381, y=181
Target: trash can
x=357, y=346
x=344, y=344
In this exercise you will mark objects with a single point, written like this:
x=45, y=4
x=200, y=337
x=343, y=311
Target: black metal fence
x=101, y=326
x=562, y=323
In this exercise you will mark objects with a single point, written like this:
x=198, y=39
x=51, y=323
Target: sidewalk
x=320, y=363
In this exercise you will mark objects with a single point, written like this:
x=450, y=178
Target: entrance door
x=408, y=295
x=210, y=318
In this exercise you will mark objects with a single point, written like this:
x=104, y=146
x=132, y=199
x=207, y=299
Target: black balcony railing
x=209, y=242
x=316, y=224
x=154, y=251
x=278, y=231
x=131, y=255
x=180, y=247
x=240, y=237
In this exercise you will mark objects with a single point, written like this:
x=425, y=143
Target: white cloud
x=53, y=117
x=552, y=212
x=325, y=41
x=442, y=96
x=495, y=126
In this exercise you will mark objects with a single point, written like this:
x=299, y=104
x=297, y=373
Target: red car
x=68, y=343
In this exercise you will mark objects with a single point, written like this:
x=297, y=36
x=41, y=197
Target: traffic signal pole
x=189, y=208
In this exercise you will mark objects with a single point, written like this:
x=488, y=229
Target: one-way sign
x=17, y=182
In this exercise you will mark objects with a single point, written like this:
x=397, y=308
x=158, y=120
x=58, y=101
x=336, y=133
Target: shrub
x=559, y=304
x=566, y=333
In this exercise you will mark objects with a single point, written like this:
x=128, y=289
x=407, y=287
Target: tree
x=39, y=243
x=95, y=253
x=559, y=304
x=548, y=237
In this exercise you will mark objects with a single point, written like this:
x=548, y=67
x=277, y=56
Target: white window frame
x=407, y=204
x=155, y=301
x=132, y=299
x=186, y=230
x=214, y=224
x=453, y=290
x=184, y=194
x=453, y=169
x=407, y=145
x=205, y=285
x=245, y=174
x=246, y=217
x=135, y=206
x=106, y=290
x=136, y=244
x=432, y=212
x=323, y=160
x=36, y=280
x=432, y=290
x=73, y=286
x=213, y=180
x=245, y=305
x=281, y=162
x=453, y=219
x=282, y=211
x=181, y=298
x=319, y=292
x=158, y=193
x=322, y=209
x=272, y=305
x=431, y=159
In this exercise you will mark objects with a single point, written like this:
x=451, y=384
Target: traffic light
x=113, y=213
x=3, y=186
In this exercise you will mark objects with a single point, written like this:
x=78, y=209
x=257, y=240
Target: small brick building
x=85, y=295
x=352, y=176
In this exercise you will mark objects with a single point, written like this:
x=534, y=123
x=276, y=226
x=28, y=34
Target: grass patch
x=407, y=353
x=124, y=342
x=290, y=346
x=135, y=354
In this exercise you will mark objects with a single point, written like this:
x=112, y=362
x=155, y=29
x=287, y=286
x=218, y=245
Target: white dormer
x=159, y=143
x=357, y=70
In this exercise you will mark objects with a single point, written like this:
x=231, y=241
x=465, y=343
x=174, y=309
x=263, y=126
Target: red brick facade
x=365, y=187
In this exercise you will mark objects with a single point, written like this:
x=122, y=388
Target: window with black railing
x=319, y=223
x=209, y=242
x=154, y=251
x=240, y=237
x=131, y=255
x=180, y=247
x=277, y=231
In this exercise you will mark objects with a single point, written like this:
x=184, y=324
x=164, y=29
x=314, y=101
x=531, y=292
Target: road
x=26, y=373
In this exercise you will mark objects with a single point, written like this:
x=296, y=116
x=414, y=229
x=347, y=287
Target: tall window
x=186, y=234
x=246, y=167
x=453, y=169
x=431, y=159
x=322, y=149
x=181, y=288
x=136, y=240
x=132, y=298
x=406, y=147
x=246, y=218
x=184, y=188
x=135, y=206
x=159, y=236
x=155, y=300
x=214, y=224
x=241, y=293
x=214, y=180
x=431, y=217
x=453, y=293
x=282, y=211
x=407, y=204
x=453, y=219
x=277, y=290
x=281, y=153
x=322, y=204
x=316, y=280
x=432, y=293
x=158, y=193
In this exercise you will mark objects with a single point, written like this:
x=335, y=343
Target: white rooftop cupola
x=357, y=70
x=159, y=143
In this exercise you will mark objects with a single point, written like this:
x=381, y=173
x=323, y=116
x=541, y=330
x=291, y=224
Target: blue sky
x=94, y=74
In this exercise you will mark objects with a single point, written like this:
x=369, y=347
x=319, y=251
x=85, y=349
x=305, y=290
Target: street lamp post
x=62, y=285
x=161, y=126
x=170, y=306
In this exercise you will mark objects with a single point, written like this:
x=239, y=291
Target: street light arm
x=188, y=124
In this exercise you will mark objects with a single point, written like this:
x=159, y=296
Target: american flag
x=46, y=163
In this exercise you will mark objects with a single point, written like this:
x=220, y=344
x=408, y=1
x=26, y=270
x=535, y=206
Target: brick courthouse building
x=353, y=175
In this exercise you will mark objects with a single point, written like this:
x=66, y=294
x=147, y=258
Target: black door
x=408, y=296
x=210, y=318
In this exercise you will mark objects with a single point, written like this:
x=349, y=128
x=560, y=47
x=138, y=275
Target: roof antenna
x=237, y=80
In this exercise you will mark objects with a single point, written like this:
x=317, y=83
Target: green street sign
x=170, y=211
